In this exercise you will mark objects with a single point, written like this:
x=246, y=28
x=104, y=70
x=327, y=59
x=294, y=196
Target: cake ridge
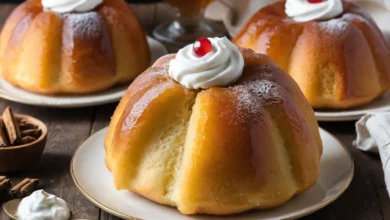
x=138, y=108
x=85, y=25
x=382, y=65
x=174, y=180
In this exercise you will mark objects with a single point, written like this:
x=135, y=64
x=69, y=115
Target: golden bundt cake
x=251, y=144
x=338, y=62
x=51, y=52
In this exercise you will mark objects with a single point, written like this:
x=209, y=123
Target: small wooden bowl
x=17, y=158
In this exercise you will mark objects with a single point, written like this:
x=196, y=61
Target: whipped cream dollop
x=64, y=6
x=43, y=206
x=222, y=66
x=302, y=10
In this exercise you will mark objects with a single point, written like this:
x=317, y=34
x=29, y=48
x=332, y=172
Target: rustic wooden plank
x=382, y=193
x=103, y=117
x=67, y=129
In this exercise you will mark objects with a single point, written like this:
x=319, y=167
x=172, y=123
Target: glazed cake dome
x=333, y=50
x=72, y=46
x=219, y=131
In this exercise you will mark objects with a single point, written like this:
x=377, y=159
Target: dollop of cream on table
x=43, y=206
x=220, y=67
x=64, y=6
x=302, y=10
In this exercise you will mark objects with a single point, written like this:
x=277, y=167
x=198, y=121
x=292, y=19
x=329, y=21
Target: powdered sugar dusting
x=253, y=95
x=247, y=103
x=264, y=88
x=152, y=76
x=334, y=26
x=155, y=73
x=84, y=25
x=159, y=70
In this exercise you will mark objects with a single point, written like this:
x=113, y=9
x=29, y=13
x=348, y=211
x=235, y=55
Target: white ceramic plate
x=95, y=182
x=10, y=92
x=382, y=104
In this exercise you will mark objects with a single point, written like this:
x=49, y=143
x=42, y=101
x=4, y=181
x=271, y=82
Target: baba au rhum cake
x=72, y=46
x=218, y=130
x=333, y=50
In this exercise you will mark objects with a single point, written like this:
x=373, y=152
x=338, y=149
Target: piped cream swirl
x=220, y=67
x=302, y=10
x=41, y=205
x=64, y=6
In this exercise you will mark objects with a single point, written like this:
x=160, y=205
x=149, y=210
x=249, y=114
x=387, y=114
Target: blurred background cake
x=333, y=50
x=54, y=47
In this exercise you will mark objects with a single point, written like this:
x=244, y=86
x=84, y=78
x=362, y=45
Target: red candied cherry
x=202, y=46
x=315, y=1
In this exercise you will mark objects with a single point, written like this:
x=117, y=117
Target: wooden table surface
x=366, y=198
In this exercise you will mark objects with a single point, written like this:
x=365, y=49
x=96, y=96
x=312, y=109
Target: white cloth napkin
x=373, y=135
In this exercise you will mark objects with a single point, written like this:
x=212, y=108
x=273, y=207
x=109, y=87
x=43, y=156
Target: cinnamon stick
x=17, y=131
x=24, y=188
x=5, y=185
x=30, y=187
x=11, y=126
x=3, y=136
x=32, y=132
x=15, y=191
x=27, y=126
x=27, y=139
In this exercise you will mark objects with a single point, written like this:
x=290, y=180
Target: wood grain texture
x=107, y=216
x=102, y=116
